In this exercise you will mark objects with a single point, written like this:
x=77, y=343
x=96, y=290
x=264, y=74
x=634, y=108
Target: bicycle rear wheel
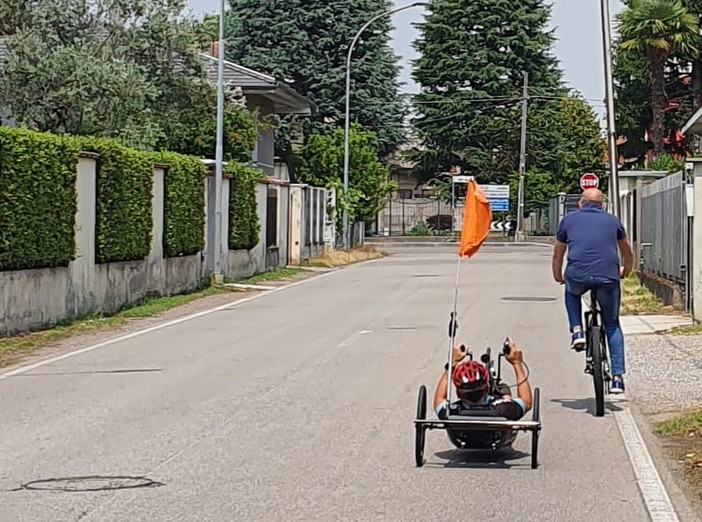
x=597, y=369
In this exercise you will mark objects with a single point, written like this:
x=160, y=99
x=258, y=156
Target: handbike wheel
x=597, y=370
x=420, y=431
x=536, y=417
x=536, y=410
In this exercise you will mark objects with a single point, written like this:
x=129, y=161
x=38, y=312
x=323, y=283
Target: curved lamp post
x=609, y=88
x=347, y=239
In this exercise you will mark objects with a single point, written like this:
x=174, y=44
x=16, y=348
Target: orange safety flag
x=477, y=217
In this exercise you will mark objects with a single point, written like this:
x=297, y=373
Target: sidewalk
x=663, y=371
x=648, y=324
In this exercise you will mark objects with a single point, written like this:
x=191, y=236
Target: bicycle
x=596, y=354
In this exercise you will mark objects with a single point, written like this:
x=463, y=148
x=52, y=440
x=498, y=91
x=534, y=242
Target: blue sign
x=499, y=204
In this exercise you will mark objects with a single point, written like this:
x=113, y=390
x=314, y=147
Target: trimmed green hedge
x=124, y=194
x=37, y=199
x=244, y=225
x=184, y=227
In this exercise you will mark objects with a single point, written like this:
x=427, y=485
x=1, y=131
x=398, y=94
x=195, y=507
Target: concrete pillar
x=697, y=244
x=224, y=247
x=209, y=223
x=295, y=237
x=82, y=270
x=158, y=202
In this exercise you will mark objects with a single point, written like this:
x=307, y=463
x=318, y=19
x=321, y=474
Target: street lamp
x=348, y=107
x=220, y=148
x=609, y=90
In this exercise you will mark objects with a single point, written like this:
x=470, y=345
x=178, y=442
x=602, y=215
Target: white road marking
x=655, y=496
x=138, y=333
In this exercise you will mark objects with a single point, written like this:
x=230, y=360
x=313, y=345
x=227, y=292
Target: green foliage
x=307, y=42
x=184, y=204
x=666, y=162
x=322, y=162
x=244, y=225
x=472, y=57
x=37, y=199
x=539, y=188
x=581, y=148
x=659, y=27
x=128, y=70
x=124, y=201
x=659, y=30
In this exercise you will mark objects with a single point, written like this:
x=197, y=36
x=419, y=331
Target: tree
x=322, y=162
x=582, y=147
x=473, y=54
x=307, y=43
x=658, y=29
x=126, y=69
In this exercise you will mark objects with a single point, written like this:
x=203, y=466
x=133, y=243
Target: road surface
x=298, y=405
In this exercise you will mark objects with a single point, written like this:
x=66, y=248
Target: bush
x=124, y=194
x=37, y=199
x=244, y=225
x=184, y=205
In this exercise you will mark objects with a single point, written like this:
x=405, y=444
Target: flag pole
x=466, y=239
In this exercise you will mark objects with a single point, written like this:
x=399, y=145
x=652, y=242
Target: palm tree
x=659, y=30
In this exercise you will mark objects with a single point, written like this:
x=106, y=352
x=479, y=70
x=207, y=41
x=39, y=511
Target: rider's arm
x=440, y=393
x=627, y=256
x=523, y=388
x=559, y=250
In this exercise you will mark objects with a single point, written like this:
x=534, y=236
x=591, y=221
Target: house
x=269, y=96
x=262, y=92
x=401, y=172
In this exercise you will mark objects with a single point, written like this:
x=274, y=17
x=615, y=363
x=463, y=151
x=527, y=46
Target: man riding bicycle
x=591, y=237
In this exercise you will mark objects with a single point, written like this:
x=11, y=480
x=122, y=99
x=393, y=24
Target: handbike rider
x=472, y=382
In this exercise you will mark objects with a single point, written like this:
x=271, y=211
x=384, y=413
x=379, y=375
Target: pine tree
x=473, y=54
x=307, y=43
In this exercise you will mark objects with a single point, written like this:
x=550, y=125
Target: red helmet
x=470, y=376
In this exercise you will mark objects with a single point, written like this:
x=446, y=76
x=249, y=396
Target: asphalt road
x=298, y=405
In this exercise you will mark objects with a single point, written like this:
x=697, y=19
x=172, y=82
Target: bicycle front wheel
x=597, y=370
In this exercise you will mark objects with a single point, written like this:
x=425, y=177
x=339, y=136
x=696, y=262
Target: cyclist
x=472, y=380
x=591, y=237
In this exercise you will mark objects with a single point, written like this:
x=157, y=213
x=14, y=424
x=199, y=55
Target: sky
x=578, y=46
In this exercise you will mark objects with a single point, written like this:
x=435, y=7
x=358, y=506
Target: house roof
x=694, y=124
x=285, y=98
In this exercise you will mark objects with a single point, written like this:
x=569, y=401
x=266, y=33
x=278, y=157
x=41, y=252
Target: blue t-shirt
x=592, y=236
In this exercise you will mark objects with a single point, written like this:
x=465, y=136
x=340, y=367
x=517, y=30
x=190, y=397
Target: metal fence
x=664, y=232
x=401, y=217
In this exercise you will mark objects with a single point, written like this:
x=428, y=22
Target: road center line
x=655, y=496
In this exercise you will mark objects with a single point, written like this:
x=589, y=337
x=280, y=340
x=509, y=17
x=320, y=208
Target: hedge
x=38, y=200
x=244, y=225
x=124, y=194
x=184, y=227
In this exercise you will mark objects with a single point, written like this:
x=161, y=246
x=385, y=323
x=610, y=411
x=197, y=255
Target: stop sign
x=589, y=180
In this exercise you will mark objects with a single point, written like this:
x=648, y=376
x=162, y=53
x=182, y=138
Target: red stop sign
x=589, y=180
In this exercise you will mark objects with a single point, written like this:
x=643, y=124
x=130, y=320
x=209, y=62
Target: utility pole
x=217, y=247
x=522, y=161
x=611, y=130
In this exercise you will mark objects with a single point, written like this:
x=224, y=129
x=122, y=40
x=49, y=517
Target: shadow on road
x=585, y=405
x=475, y=459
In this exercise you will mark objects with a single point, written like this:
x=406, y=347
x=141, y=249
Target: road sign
x=496, y=191
x=589, y=180
x=500, y=226
x=499, y=205
x=461, y=179
x=497, y=196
